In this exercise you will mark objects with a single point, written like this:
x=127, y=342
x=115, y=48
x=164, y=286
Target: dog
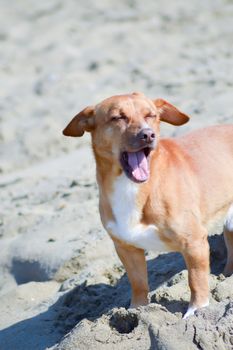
x=159, y=194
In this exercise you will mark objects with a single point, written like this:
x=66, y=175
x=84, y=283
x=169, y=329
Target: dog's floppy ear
x=169, y=113
x=83, y=121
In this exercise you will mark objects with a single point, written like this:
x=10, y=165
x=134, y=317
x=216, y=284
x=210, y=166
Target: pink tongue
x=139, y=165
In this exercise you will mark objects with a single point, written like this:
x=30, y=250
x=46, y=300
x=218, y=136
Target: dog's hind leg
x=228, y=236
x=196, y=255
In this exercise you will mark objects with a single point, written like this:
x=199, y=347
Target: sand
x=61, y=283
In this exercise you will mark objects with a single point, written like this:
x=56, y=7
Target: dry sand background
x=61, y=284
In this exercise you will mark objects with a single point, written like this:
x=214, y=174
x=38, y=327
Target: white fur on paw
x=190, y=311
x=192, y=308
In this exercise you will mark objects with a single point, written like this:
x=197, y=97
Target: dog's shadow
x=92, y=301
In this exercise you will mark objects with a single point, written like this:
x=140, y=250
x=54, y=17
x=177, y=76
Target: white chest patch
x=127, y=226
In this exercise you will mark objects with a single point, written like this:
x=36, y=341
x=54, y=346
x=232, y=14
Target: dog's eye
x=115, y=118
x=150, y=116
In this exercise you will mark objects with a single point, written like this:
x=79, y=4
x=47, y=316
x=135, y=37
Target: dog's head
x=125, y=129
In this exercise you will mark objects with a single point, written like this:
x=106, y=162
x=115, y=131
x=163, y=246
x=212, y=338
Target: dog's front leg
x=134, y=262
x=196, y=255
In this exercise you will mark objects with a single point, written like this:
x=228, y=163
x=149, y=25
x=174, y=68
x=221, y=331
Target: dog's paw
x=190, y=312
x=192, y=308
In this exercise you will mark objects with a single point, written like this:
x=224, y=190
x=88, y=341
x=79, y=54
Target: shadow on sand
x=92, y=301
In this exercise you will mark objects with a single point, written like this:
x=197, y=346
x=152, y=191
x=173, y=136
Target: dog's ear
x=169, y=113
x=83, y=121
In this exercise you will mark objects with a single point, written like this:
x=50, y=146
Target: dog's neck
x=109, y=175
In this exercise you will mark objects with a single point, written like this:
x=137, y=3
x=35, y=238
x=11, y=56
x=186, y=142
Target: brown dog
x=159, y=194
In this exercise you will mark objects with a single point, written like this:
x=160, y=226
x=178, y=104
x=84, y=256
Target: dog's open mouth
x=136, y=164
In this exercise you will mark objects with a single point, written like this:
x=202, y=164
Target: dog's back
x=211, y=151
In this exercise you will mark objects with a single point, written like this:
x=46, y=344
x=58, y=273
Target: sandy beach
x=62, y=285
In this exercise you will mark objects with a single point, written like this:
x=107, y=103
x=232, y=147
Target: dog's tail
x=228, y=237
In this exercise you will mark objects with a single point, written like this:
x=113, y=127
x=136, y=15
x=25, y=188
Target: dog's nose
x=147, y=135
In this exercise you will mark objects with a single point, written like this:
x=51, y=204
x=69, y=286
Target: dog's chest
x=127, y=225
